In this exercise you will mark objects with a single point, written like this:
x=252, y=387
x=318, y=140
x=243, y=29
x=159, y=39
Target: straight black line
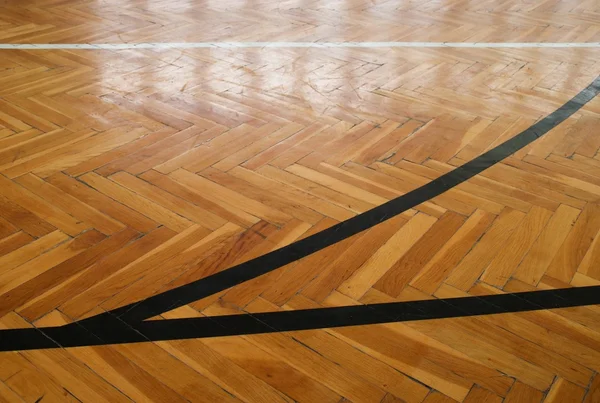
x=74, y=335
x=127, y=325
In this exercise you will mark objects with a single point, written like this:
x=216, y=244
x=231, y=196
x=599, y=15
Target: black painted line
x=220, y=281
x=74, y=335
x=126, y=324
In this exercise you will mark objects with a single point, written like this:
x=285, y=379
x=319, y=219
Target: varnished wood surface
x=127, y=173
x=89, y=21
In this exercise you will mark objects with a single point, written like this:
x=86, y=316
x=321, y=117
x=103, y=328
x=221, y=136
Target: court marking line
x=75, y=335
x=279, y=45
x=127, y=324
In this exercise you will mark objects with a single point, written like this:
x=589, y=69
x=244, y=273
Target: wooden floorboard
x=128, y=173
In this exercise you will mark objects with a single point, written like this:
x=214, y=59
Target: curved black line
x=126, y=324
x=271, y=322
x=207, y=286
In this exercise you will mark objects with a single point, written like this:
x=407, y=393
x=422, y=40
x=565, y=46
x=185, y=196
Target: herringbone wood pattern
x=127, y=173
x=88, y=21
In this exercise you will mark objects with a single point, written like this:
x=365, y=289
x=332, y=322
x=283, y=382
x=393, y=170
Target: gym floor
x=279, y=201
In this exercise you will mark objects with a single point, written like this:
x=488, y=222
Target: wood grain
x=126, y=173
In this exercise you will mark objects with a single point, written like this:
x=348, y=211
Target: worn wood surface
x=126, y=173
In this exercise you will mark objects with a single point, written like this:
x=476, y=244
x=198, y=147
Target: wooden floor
x=126, y=173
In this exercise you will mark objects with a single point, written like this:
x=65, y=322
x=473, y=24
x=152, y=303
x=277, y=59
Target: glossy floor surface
x=126, y=173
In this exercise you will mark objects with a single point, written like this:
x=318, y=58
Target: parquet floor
x=127, y=173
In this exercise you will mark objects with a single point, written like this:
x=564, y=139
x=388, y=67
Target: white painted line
x=259, y=45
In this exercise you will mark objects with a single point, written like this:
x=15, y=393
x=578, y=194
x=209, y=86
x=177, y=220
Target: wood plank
x=571, y=253
x=386, y=256
x=41, y=208
x=85, y=213
x=436, y=270
x=103, y=203
x=477, y=260
x=136, y=202
x=564, y=391
x=503, y=266
x=520, y=392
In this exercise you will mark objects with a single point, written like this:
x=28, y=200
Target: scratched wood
x=126, y=173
